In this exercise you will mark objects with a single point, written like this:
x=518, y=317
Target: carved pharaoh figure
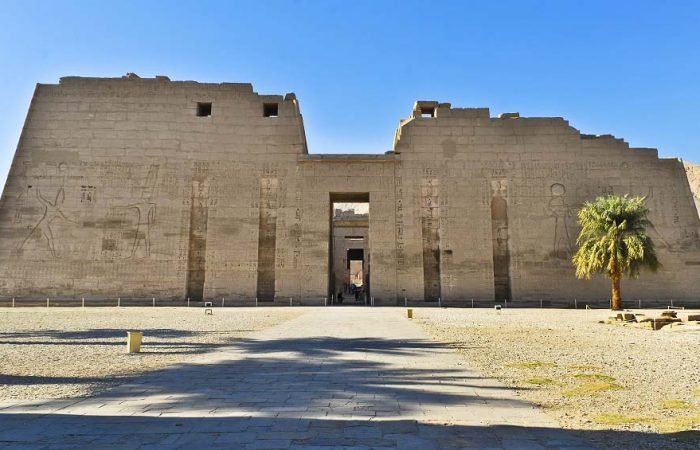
x=145, y=214
x=560, y=211
x=52, y=211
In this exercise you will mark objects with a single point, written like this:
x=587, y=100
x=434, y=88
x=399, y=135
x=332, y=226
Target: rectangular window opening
x=271, y=110
x=427, y=112
x=203, y=109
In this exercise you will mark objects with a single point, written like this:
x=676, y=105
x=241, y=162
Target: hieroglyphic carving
x=399, y=218
x=87, y=194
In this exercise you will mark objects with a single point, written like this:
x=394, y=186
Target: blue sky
x=628, y=68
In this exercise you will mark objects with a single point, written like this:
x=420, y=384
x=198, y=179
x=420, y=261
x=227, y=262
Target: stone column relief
x=430, y=227
x=499, y=233
x=267, y=239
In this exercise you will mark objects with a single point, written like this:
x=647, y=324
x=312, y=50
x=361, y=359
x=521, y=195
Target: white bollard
x=154, y=302
x=256, y=302
x=13, y=302
x=439, y=302
x=83, y=302
x=223, y=301
x=119, y=302
x=325, y=301
x=639, y=303
x=575, y=304
x=290, y=301
x=188, y=302
x=472, y=303
x=47, y=302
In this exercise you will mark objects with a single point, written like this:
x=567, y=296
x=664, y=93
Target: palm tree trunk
x=616, y=298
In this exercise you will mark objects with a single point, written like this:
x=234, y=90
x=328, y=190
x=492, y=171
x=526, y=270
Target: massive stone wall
x=147, y=187
x=118, y=187
x=510, y=188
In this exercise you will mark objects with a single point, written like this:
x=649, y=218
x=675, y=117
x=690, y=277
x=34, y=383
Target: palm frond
x=613, y=239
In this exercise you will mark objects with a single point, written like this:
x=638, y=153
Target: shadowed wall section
x=430, y=227
x=501, y=253
x=197, y=254
x=267, y=239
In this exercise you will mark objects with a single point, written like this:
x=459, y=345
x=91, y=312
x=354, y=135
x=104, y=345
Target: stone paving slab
x=332, y=378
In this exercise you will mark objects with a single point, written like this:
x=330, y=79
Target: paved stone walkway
x=332, y=378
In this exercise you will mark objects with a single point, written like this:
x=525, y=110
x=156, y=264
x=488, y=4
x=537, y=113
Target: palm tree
x=613, y=241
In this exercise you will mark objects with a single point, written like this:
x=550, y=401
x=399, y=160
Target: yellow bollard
x=133, y=341
x=409, y=313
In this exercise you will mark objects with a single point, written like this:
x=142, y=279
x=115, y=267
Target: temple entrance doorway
x=349, y=264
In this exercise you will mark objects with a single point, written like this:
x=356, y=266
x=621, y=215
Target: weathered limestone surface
x=693, y=172
x=119, y=188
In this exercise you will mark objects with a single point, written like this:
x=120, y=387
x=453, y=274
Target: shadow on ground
x=63, y=337
x=71, y=431
x=303, y=393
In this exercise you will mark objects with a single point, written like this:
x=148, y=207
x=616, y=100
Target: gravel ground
x=588, y=375
x=69, y=352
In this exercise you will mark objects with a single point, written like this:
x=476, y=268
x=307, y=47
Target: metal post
x=472, y=302
x=640, y=303
x=325, y=301
x=540, y=303
x=223, y=301
x=188, y=302
x=47, y=302
x=290, y=301
x=256, y=302
x=154, y=302
x=671, y=302
x=119, y=302
x=405, y=301
x=575, y=304
x=83, y=302
x=505, y=303
x=439, y=302
x=13, y=302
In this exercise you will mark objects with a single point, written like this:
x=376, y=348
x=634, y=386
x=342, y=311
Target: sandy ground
x=586, y=374
x=68, y=352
